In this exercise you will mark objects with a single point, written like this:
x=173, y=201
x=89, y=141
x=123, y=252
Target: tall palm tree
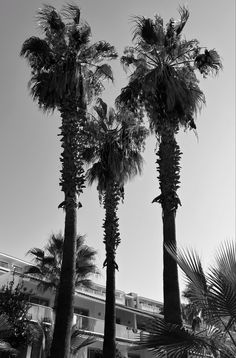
x=164, y=83
x=48, y=263
x=214, y=292
x=118, y=141
x=66, y=72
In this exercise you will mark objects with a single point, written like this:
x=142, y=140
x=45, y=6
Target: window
x=81, y=311
x=94, y=353
x=39, y=301
x=4, y=264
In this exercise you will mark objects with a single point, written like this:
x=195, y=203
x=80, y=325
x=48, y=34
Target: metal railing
x=97, y=326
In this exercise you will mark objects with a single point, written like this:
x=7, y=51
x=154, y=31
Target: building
x=132, y=311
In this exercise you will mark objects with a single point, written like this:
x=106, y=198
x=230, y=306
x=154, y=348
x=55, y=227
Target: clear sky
x=29, y=147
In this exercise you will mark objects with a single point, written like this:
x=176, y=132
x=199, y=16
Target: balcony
x=149, y=308
x=40, y=313
x=101, y=294
x=94, y=325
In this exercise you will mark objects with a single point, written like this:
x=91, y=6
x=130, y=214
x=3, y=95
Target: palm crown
x=117, y=140
x=65, y=62
x=163, y=78
x=49, y=260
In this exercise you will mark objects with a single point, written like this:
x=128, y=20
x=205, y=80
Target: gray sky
x=29, y=147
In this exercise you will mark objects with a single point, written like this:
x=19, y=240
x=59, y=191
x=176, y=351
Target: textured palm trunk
x=72, y=181
x=111, y=240
x=168, y=167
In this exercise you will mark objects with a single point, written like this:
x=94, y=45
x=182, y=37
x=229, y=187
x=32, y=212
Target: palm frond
x=78, y=341
x=104, y=72
x=145, y=30
x=71, y=12
x=101, y=108
x=80, y=37
x=37, y=253
x=29, y=269
x=104, y=50
x=190, y=263
x=226, y=260
x=49, y=19
x=37, y=52
x=175, y=341
x=184, y=15
x=208, y=63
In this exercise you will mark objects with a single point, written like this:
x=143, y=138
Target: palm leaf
x=78, y=341
x=175, y=341
x=184, y=15
x=104, y=72
x=49, y=19
x=71, y=12
x=145, y=30
x=190, y=263
x=37, y=52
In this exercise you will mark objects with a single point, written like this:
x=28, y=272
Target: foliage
x=14, y=306
x=5, y=334
x=77, y=339
x=48, y=262
x=64, y=61
x=116, y=140
x=163, y=80
x=214, y=293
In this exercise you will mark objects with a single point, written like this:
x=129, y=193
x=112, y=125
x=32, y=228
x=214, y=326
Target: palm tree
x=164, y=83
x=66, y=72
x=116, y=146
x=214, y=292
x=48, y=263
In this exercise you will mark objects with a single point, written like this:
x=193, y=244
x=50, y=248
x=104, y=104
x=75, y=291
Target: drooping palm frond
x=78, y=341
x=37, y=253
x=175, y=341
x=104, y=72
x=208, y=63
x=37, y=52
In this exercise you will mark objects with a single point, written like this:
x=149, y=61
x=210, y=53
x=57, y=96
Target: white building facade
x=132, y=311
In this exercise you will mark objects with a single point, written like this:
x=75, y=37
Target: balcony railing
x=148, y=308
x=119, y=298
x=97, y=326
x=84, y=323
x=40, y=313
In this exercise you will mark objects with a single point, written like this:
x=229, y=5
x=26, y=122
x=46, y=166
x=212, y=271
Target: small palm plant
x=66, y=72
x=214, y=293
x=164, y=83
x=117, y=140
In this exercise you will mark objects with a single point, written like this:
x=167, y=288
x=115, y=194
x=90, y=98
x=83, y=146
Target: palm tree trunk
x=111, y=240
x=168, y=161
x=72, y=181
x=65, y=303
